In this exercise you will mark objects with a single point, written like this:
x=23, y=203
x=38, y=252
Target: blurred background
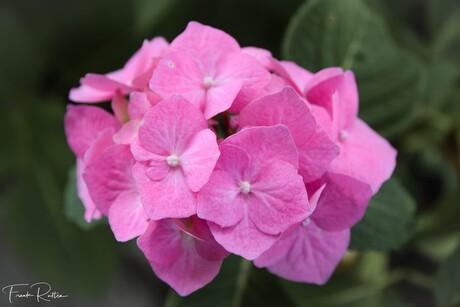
x=406, y=57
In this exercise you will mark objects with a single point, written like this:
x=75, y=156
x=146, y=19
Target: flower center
x=343, y=135
x=208, y=82
x=306, y=222
x=173, y=160
x=245, y=187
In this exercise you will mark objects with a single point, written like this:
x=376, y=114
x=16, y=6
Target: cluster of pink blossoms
x=214, y=149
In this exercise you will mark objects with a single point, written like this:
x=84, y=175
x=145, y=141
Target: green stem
x=241, y=282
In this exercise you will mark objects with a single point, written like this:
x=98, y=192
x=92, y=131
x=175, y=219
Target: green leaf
x=238, y=284
x=74, y=209
x=347, y=34
x=388, y=220
x=447, y=285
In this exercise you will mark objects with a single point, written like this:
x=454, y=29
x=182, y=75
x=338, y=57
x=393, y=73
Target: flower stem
x=241, y=282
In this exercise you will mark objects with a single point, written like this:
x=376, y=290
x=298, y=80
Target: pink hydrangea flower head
x=183, y=261
x=207, y=67
x=255, y=193
x=176, y=154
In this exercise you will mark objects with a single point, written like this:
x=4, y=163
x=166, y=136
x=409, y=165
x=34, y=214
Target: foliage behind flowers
x=405, y=59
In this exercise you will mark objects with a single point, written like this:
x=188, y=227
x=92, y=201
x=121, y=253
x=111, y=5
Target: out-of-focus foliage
x=406, y=57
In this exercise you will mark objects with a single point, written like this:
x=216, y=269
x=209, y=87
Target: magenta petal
x=91, y=213
x=313, y=256
x=139, y=104
x=234, y=160
x=204, y=43
x=284, y=107
x=254, y=141
x=128, y=132
x=316, y=154
x=220, y=97
x=127, y=218
x=366, y=156
x=315, y=149
x=108, y=175
x=278, y=198
x=220, y=201
x=170, y=126
x=161, y=242
x=199, y=159
x=169, y=197
x=244, y=239
x=179, y=73
x=241, y=67
x=85, y=93
x=104, y=83
x=83, y=124
x=174, y=258
x=342, y=203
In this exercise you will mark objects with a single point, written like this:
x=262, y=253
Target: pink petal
x=342, y=203
x=108, y=175
x=161, y=242
x=365, y=155
x=169, y=127
x=234, y=160
x=139, y=104
x=199, y=159
x=316, y=154
x=205, y=244
x=220, y=200
x=244, y=239
x=127, y=218
x=104, y=83
x=169, y=197
x=278, y=198
x=284, y=107
x=91, y=213
x=329, y=82
x=83, y=124
x=316, y=150
x=128, y=132
x=244, y=68
x=313, y=255
x=254, y=141
x=179, y=73
x=142, y=59
x=85, y=93
x=204, y=42
x=297, y=74
x=174, y=258
x=220, y=97
x=263, y=56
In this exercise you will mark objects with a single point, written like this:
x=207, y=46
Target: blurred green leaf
x=447, y=285
x=150, y=12
x=347, y=34
x=74, y=209
x=338, y=291
x=388, y=220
